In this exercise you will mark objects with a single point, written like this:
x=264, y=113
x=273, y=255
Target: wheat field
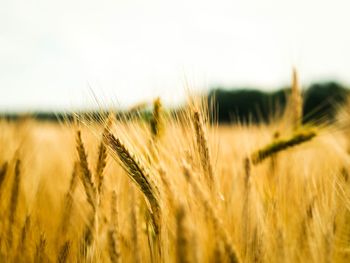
x=175, y=189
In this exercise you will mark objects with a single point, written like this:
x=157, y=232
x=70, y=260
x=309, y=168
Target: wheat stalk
x=182, y=246
x=113, y=242
x=230, y=250
x=134, y=227
x=14, y=200
x=169, y=190
x=246, y=205
x=68, y=201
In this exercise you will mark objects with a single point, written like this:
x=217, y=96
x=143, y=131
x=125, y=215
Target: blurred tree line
x=321, y=101
x=244, y=105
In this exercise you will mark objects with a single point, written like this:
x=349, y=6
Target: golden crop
x=174, y=189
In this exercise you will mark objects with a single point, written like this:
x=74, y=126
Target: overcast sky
x=60, y=54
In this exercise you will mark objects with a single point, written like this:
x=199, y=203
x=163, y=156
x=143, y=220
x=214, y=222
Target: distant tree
x=322, y=100
x=248, y=105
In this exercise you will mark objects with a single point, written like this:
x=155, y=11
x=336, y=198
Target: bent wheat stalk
x=281, y=145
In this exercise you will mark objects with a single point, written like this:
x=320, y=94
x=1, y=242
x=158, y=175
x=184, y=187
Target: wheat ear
x=156, y=123
x=101, y=164
x=297, y=101
x=202, y=145
x=137, y=173
x=282, y=144
x=86, y=176
x=3, y=170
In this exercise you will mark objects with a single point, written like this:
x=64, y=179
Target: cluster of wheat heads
x=174, y=189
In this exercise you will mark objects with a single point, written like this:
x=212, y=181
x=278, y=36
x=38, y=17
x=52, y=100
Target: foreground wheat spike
x=113, y=242
x=137, y=173
x=282, y=144
x=86, y=176
x=182, y=246
x=14, y=200
x=203, y=148
x=297, y=101
x=225, y=237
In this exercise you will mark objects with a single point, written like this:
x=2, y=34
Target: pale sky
x=60, y=54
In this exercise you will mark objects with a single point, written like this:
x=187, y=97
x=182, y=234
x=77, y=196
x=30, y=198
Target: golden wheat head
x=135, y=170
